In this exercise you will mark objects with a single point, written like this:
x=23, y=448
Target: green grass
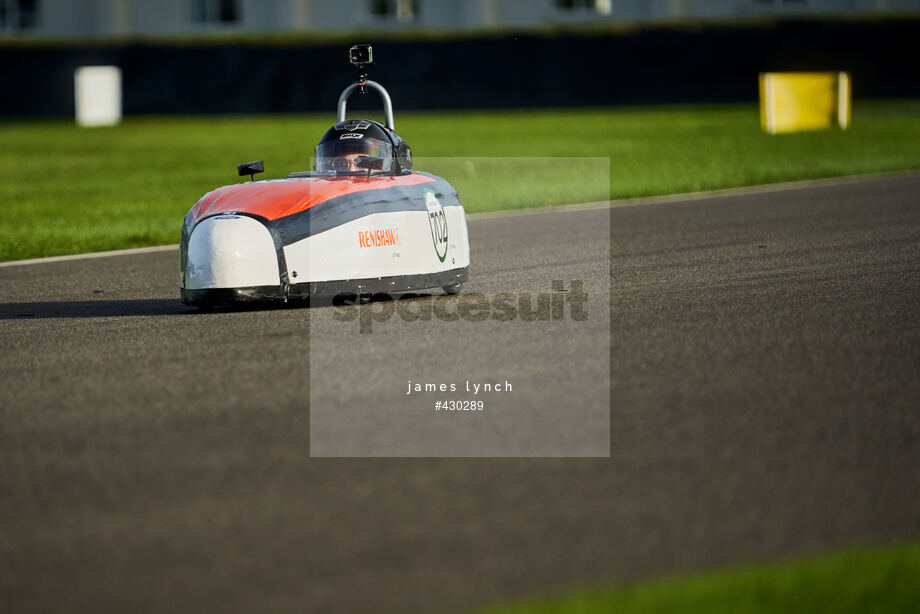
x=64, y=189
x=878, y=580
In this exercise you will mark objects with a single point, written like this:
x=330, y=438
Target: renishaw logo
x=378, y=238
x=437, y=221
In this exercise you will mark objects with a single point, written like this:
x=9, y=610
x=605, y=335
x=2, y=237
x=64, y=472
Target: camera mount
x=362, y=56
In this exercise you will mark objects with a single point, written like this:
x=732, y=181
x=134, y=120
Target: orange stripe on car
x=277, y=199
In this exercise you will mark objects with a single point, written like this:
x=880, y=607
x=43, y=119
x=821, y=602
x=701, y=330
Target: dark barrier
x=645, y=66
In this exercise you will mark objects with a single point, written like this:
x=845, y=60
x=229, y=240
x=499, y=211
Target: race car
x=362, y=222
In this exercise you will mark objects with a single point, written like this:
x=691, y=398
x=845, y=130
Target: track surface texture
x=765, y=357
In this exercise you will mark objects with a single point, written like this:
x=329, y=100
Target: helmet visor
x=340, y=155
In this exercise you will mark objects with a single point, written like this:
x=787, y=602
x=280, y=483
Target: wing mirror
x=251, y=169
x=369, y=163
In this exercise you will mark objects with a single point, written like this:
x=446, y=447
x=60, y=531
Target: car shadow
x=154, y=307
x=93, y=309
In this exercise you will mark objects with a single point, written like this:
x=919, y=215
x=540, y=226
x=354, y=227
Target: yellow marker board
x=793, y=101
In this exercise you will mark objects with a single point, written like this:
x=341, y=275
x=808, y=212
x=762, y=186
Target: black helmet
x=346, y=140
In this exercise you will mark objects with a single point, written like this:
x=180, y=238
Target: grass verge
x=67, y=190
x=874, y=580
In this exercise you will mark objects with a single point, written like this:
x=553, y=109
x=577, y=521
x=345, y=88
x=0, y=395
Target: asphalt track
x=765, y=357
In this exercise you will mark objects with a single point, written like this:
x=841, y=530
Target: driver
x=342, y=144
x=339, y=149
x=346, y=163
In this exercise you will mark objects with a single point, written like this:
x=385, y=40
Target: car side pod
x=230, y=252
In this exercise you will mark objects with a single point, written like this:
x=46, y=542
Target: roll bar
x=387, y=103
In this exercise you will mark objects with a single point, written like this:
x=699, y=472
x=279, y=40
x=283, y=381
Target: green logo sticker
x=437, y=221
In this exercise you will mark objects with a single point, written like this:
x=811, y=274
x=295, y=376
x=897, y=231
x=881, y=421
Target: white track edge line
x=662, y=199
x=69, y=257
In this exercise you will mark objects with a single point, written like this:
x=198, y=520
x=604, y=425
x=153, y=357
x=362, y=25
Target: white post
x=97, y=94
x=843, y=99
